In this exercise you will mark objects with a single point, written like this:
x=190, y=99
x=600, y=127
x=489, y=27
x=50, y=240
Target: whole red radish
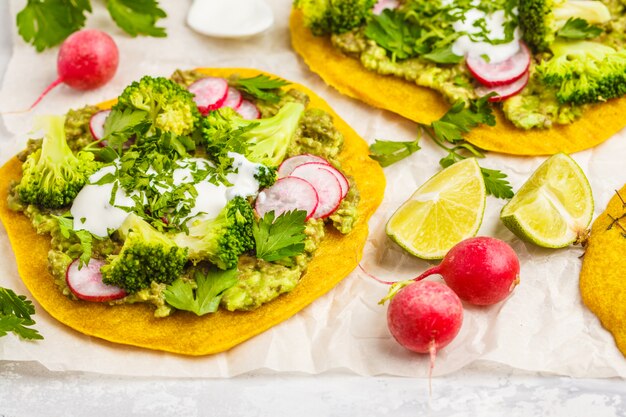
x=87, y=60
x=425, y=316
x=480, y=270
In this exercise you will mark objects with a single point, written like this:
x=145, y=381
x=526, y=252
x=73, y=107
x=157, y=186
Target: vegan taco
x=556, y=68
x=191, y=213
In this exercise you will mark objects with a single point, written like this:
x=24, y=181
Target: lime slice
x=554, y=207
x=445, y=210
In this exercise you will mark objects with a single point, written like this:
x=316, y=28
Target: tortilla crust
x=602, y=284
x=135, y=324
x=424, y=105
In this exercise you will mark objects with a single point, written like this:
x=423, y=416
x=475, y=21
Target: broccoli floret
x=325, y=17
x=169, y=106
x=222, y=239
x=52, y=176
x=541, y=19
x=584, y=71
x=147, y=256
x=264, y=141
x=266, y=176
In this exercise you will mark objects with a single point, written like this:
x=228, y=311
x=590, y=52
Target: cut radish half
x=287, y=194
x=504, y=91
x=209, y=93
x=325, y=183
x=86, y=282
x=384, y=4
x=233, y=98
x=289, y=164
x=96, y=124
x=248, y=110
x=501, y=73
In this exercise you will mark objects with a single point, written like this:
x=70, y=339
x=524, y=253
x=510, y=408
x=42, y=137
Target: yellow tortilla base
x=424, y=105
x=183, y=332
x=603, y=273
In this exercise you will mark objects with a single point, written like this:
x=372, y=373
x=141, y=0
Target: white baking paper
x=542, y=327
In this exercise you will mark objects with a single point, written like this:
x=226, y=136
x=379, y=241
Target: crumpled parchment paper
x=542, y=327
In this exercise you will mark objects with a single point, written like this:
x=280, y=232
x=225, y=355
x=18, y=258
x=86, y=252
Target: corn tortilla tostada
x=424, y=105
x=135, y=324
x=604, y=267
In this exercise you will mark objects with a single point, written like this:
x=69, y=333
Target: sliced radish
x=501, y=73
x=287, y=194
x=385, y=4
x=325, y=183
x=343, y=181
x=96, y=123
x=289, y=164
x=86, y=282
x=248, y=110
x=209, y=93
x=233, y=98
x=504, y=91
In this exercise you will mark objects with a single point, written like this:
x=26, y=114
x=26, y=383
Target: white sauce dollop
x=495, y=30
x=93, y=212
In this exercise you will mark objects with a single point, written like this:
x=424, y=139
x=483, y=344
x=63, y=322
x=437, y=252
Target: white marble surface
x=29, y=389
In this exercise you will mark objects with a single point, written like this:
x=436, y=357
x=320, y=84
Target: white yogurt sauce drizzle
x=93, y=212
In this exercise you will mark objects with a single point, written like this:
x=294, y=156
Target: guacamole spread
x=257, y=281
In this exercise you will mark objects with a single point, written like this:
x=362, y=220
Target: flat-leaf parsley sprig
x=15, y=315
x=447, y=133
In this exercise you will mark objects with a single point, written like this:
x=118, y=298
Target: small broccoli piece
x=222, y=239
x=266, y=176
x=52, y=176
x=147, y=256
x=263, y=140
x=584, y=71
x=325, y=17
x=541, y=19
x=169, y=106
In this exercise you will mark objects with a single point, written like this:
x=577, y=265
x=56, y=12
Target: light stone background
x=484, y=389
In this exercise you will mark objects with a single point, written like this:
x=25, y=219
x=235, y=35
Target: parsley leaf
x=137, y=17
x=496, y=184
x=66, y=227
x=280, y=237
x=46, y=23
x=15, y=315
x=389, y=152
x=577, y=28
x=202, y=296
x=261, y=87
x=390, y=31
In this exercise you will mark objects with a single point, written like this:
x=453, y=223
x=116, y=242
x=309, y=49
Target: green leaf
x=202, y=296
x=15, y=315
x=280, y=237
x=390, y=152
x=137, y=17
x=496, y=183
x=443, y=56
x=390, y=31
x=460, y=119
x=85, y=238
x=577, y=28
x=46, y=23
x=261, y=87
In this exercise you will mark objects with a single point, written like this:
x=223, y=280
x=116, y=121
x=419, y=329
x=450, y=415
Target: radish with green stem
x=480, y=270
x=87, y=59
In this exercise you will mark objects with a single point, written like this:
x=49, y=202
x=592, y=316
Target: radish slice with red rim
x=504, y=91
x=248, y=110
x=96, y=123
x=325, y=183
x=287, y=194
x=343, y=181
x=86, y=282
x=500, y=73
x=233, y=98
x=209, y=93
x=289, y=164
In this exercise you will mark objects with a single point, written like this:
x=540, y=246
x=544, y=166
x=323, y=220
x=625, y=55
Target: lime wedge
x=442, y=212
x=554, y=207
